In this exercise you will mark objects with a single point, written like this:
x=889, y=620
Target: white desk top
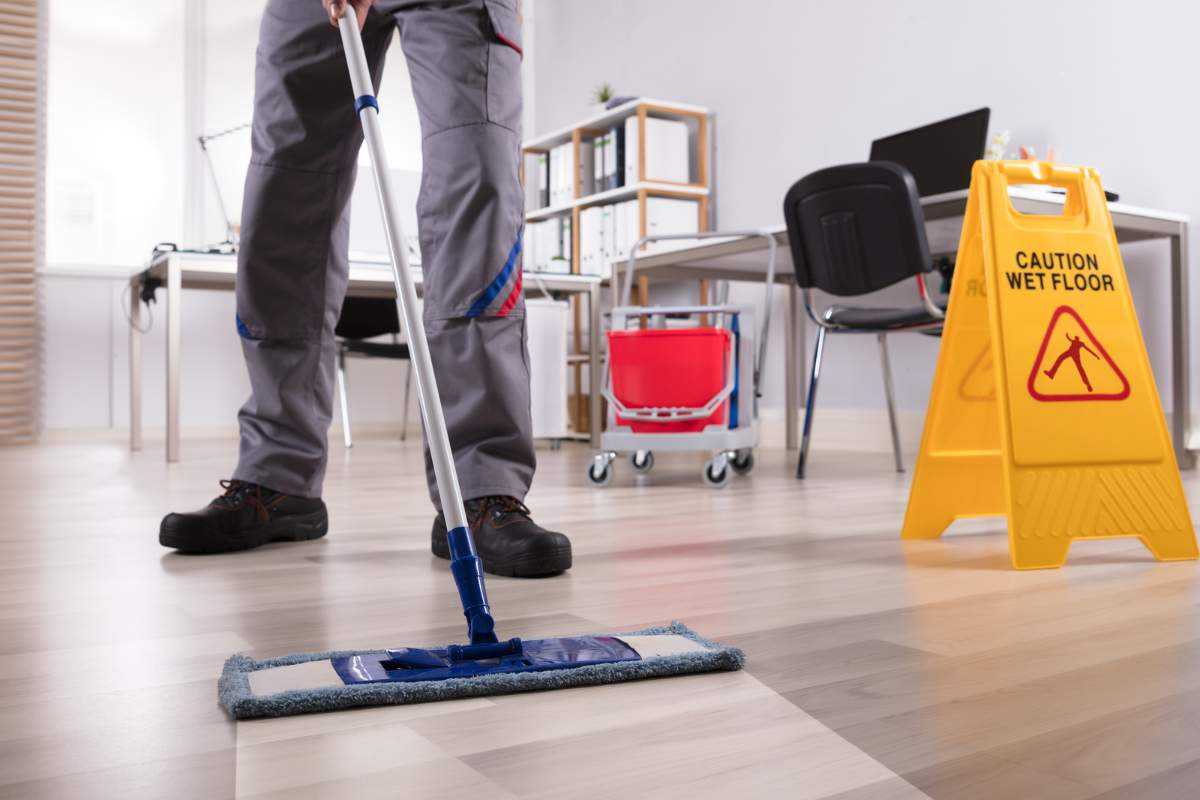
x=741, y=258
x=1040, y=195
x=217, y=270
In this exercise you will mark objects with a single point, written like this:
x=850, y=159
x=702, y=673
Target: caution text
x=1058, y=271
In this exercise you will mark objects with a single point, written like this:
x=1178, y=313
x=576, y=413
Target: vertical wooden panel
x=576, y=158
x=702, y=225
x=22, y=160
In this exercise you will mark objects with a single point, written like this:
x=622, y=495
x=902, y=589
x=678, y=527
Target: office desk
x=743, y=259
x=183, y=270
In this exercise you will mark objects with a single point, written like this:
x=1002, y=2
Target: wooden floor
x=876, y=668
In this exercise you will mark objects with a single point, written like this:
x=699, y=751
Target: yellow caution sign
x=1043, y=405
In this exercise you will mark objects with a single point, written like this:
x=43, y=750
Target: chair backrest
x=367, y=317
x=856, y=228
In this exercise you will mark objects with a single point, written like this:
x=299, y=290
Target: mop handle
x=464, y=561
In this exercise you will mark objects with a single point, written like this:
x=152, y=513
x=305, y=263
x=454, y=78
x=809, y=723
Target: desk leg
x=1181, y=399
x=594, y=363
x=174, y=314
x=135, y=364
x=791, y=351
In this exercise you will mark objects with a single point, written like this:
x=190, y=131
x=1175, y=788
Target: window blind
x=22, y=161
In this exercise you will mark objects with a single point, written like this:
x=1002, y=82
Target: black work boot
x=508, y=541
x=245, y=516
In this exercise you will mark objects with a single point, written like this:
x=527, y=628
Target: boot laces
x=500, y=505
x=235, y=493
x=239, y=493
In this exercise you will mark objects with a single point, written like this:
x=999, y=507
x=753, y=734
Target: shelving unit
x=699, y=188
x=657, y=188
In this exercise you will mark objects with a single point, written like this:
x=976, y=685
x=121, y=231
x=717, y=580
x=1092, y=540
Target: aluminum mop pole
x=464, y=561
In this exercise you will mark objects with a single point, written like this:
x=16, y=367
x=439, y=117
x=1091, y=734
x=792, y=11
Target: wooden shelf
x=699, y=121
x=657, y=108
x=620, y=193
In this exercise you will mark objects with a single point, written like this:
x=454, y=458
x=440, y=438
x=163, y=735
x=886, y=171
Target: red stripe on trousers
x=510, y=302
x=509, y=42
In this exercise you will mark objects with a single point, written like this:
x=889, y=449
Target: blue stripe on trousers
x=484, y=300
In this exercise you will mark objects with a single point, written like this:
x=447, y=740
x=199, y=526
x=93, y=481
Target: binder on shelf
x=608, y=233
x=671, y=215
x=587, y=156
x=562, y=185
x=543, y=179
x=553, y=166
x=666, y=150
x=604, y=146
x=619, y=149
x=548, y=245
x=599, y=162
x=562, y=262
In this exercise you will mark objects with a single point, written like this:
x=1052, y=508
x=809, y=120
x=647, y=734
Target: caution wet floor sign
x=1043, y=406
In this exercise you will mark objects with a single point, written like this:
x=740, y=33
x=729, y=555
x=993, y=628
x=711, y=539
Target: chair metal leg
x=891, y=401
x=811, y=401
x=341, y=382
x=407, y=389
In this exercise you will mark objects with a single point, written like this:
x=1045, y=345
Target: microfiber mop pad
x=330, y=681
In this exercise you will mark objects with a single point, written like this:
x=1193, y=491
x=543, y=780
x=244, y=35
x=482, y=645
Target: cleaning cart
x=684, y=378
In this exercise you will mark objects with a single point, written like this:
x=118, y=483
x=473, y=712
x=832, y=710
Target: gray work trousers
x=464, y=57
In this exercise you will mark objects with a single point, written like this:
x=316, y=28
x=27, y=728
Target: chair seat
x=868, y=318
x=376, y=349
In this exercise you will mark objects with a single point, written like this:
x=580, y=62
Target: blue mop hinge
x=364, y=101
x=468, y=577
x=474, y=652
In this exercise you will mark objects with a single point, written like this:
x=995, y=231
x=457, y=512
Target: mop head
x=308, y=682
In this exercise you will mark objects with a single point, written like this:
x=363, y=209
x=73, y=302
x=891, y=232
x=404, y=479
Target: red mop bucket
x=683, y=367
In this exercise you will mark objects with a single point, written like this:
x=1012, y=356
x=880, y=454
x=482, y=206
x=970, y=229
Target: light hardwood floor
x=876, y=668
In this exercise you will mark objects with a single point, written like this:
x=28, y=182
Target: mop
x=484, y=665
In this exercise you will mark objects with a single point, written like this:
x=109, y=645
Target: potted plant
x=600, y=97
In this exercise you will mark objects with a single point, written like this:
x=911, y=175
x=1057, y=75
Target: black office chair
x=855, y=229
x=365, y=318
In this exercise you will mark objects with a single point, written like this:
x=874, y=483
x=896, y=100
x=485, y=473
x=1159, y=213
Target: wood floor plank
x=1173, y=784
x=757, y=747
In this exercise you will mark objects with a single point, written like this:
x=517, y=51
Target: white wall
x=802, y=84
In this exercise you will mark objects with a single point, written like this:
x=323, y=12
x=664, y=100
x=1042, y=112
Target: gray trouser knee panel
x=464, y=60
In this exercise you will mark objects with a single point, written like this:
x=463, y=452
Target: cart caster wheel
x=743, y=462
x=600, y=475
x=713, y=478
x=643, y=461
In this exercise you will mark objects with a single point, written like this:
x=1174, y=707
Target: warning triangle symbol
x=1072, y=365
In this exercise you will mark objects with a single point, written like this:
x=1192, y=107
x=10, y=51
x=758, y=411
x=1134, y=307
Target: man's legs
x=292, y=270
x=465, y=63
x=464, y=57
x=292, y=264
x=467, y=86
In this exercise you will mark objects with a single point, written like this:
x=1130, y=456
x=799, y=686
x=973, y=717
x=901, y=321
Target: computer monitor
x=939, y=155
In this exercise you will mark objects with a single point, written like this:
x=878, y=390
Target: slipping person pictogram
x=1073, y=352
